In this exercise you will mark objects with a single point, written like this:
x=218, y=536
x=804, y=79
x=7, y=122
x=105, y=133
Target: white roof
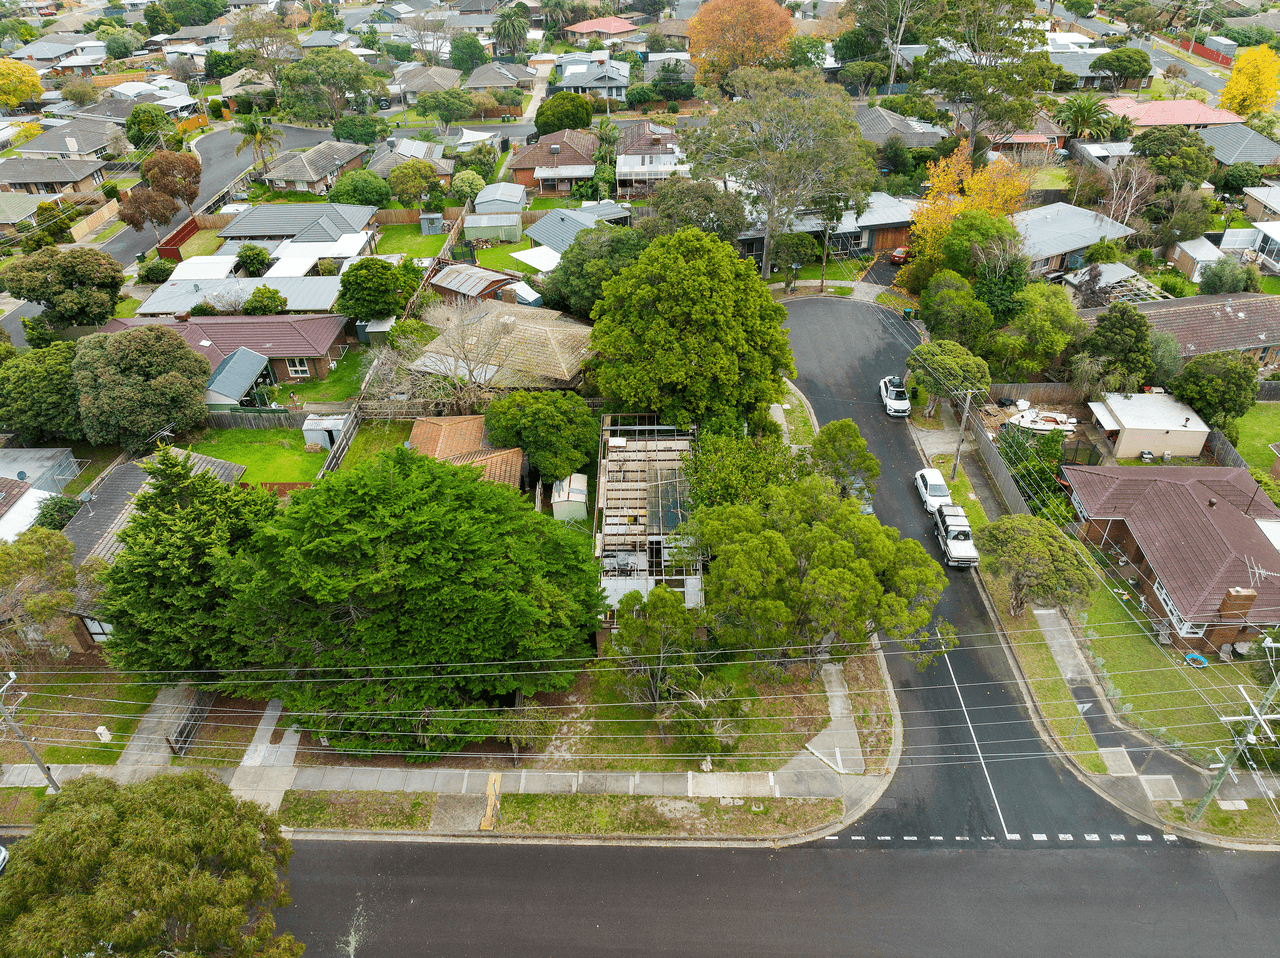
x=1151, y=411
x=472, y=136
x=564, y=172
x=541, y=258
x=204, y=267
x=21, y=516
x=1201, y=250
x=659, y=162
x=1270, y=195
x=1104, y=417
x=344, y=247
x=134, y=88
x=293, y=266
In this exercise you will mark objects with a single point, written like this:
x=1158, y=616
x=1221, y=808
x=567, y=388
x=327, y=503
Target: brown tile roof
x=638, y=140
x=1211, y=324
x=460, y=441
x=276, y=337
x=576, y=149
x=445, y=436
x=1197, y=550
x=11, y=490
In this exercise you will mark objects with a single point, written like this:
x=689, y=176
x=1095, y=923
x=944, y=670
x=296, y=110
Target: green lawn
x=1050, y=178
x=288, y=196
x=127, y=182
x=1237, y=222
x=894, y=301
x=1258, y=427
x=110, y=231
x=525, y=101
x=373, y=437
x=271, y=455
x=840, y=290
x=1271, y=284
x=408, y=239
x=342, y=383
x=554, y=203
x=94, y=459
x=127, y=307
x=849, y=270
x=203, y=243
x=499, y=257
x=1156, y=689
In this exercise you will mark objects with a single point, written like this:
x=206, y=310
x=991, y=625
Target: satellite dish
x=21, y=476
x=85, y=496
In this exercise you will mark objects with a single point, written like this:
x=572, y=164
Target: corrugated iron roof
x=236, y=373
x=289, y=219
x=306, y=294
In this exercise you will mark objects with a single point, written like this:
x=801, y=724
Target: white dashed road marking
x=1065, y=838
x=1090, y=837
x=1040, y=837
x=1144, y=838
x=1117, y=838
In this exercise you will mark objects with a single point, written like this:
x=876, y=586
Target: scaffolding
x=643, y=501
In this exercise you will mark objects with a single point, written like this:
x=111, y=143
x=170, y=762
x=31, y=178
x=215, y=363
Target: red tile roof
x=577, y=147
x=1197, y=550
x=459, y=440
x=1169, y=112
x=11, y=490
x=276, y=337
x=610, y=25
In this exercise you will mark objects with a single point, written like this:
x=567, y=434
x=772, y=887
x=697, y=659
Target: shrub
x=265, y=301
x=204, y=308
x=215, y=108
x=253, y=259
x=110, y=190
x=37, y=240
x=673, y=106
x=56, y=511
x=327, y=267
x=156, y=271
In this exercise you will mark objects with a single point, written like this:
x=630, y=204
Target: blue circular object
x=1197, y=661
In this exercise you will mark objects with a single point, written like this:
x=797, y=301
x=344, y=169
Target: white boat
x=1042, y=423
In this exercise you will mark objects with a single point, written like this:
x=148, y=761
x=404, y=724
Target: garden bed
x=395, y=811
x=658, y=815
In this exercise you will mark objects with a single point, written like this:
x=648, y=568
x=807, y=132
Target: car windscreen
x=937, y=489
x=897, y=392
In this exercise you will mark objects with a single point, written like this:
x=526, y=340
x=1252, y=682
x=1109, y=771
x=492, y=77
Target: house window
x=98, y=631
x=1185, y=628
x=298, y=367
x=97, y=176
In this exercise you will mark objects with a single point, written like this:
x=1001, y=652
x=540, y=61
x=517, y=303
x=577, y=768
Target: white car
x=894, y=396
x=933, y=489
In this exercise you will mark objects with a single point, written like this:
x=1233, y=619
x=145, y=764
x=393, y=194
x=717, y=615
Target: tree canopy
x=167, y=592
x=1179, y=155
x=76, y=287
x=174, y=174
x=1042, y=564
x=38, y=396
x=791, y=141
x=19, y=83
x=557, y=430
x=135, y=382
x=361, y=188
x=374, y=289
x=396, y=578
x=173, y=865
x=727, y=468
x=950, y=310
x=318, y=86
x=1122, y=338
x=802, y=563
x=689, y=331
x=1227, y=276
x=946, y=369
x=564, y=111
x=1125, y=63
x=1254, y=80
x=726, y=35
x=413, y=180
x=594, y=256
x=466, y=53
x=679, y=202
x=145, y=125
x=1219, y=386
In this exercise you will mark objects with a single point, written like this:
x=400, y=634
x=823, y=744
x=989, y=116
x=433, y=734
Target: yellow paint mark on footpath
x=493, y=810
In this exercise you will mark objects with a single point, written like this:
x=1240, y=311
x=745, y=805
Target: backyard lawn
x=499, y=257
x=127, y=307
x=1050, y=178
x=271, y=455
x=1258, y=427
x=408, y=239
x=203, y=243
x=94, y=459
x=373, y=437
x=1155, y=688
x=342, y=383
x=554, y=203
x=1271, y=284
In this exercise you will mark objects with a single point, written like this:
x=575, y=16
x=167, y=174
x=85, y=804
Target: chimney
x=1237, y=603
x=183, y=317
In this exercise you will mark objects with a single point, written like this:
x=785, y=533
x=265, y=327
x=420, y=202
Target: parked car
x=899, y=256
x=894, y=396
x=932, y=489
x=955, y=536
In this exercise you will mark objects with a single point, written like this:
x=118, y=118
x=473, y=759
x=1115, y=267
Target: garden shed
x=502, y=227
x=323, y=430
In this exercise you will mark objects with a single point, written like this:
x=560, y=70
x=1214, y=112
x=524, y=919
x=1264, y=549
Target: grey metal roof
x=236, y=373
x=80, y=135
x=317, y=162
x=290, y=219
x=1108, y=275
x=310, y=294
x=1078, y=61
x=507, y=192
x=467, y=280
x=559, y=228
x=25, y=170
x=1062, y=228
x=483, y=220
x=1236, y=143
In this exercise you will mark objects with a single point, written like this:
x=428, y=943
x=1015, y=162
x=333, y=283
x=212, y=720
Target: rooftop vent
x=555, y=148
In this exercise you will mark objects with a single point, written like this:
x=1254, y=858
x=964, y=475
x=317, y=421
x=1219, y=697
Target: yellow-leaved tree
x=19, y=83
x=954, y=188
x=1253, y=84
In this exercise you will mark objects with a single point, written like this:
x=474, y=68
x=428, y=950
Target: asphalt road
x=974, y=770
x=220, y=166
x=404, y=900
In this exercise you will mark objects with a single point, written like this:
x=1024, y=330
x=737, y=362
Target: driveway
x=882, y=272
x=974, y=769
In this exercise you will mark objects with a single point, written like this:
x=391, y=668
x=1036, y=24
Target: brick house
x=1188, y=535
x=316, y=169
x=296, y=347
x=19, y=175
x=556, y=161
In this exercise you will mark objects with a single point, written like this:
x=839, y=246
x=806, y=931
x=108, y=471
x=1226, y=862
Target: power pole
x=53, y=785
x=1257, y=717
x=964, y=417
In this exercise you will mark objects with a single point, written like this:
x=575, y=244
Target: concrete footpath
x=1140, y=770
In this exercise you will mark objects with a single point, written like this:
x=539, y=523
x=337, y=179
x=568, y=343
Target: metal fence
x=1223, y=452
x=257, y=419
x=999, y=472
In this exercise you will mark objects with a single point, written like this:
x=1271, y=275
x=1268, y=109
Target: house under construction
x=643, y=498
